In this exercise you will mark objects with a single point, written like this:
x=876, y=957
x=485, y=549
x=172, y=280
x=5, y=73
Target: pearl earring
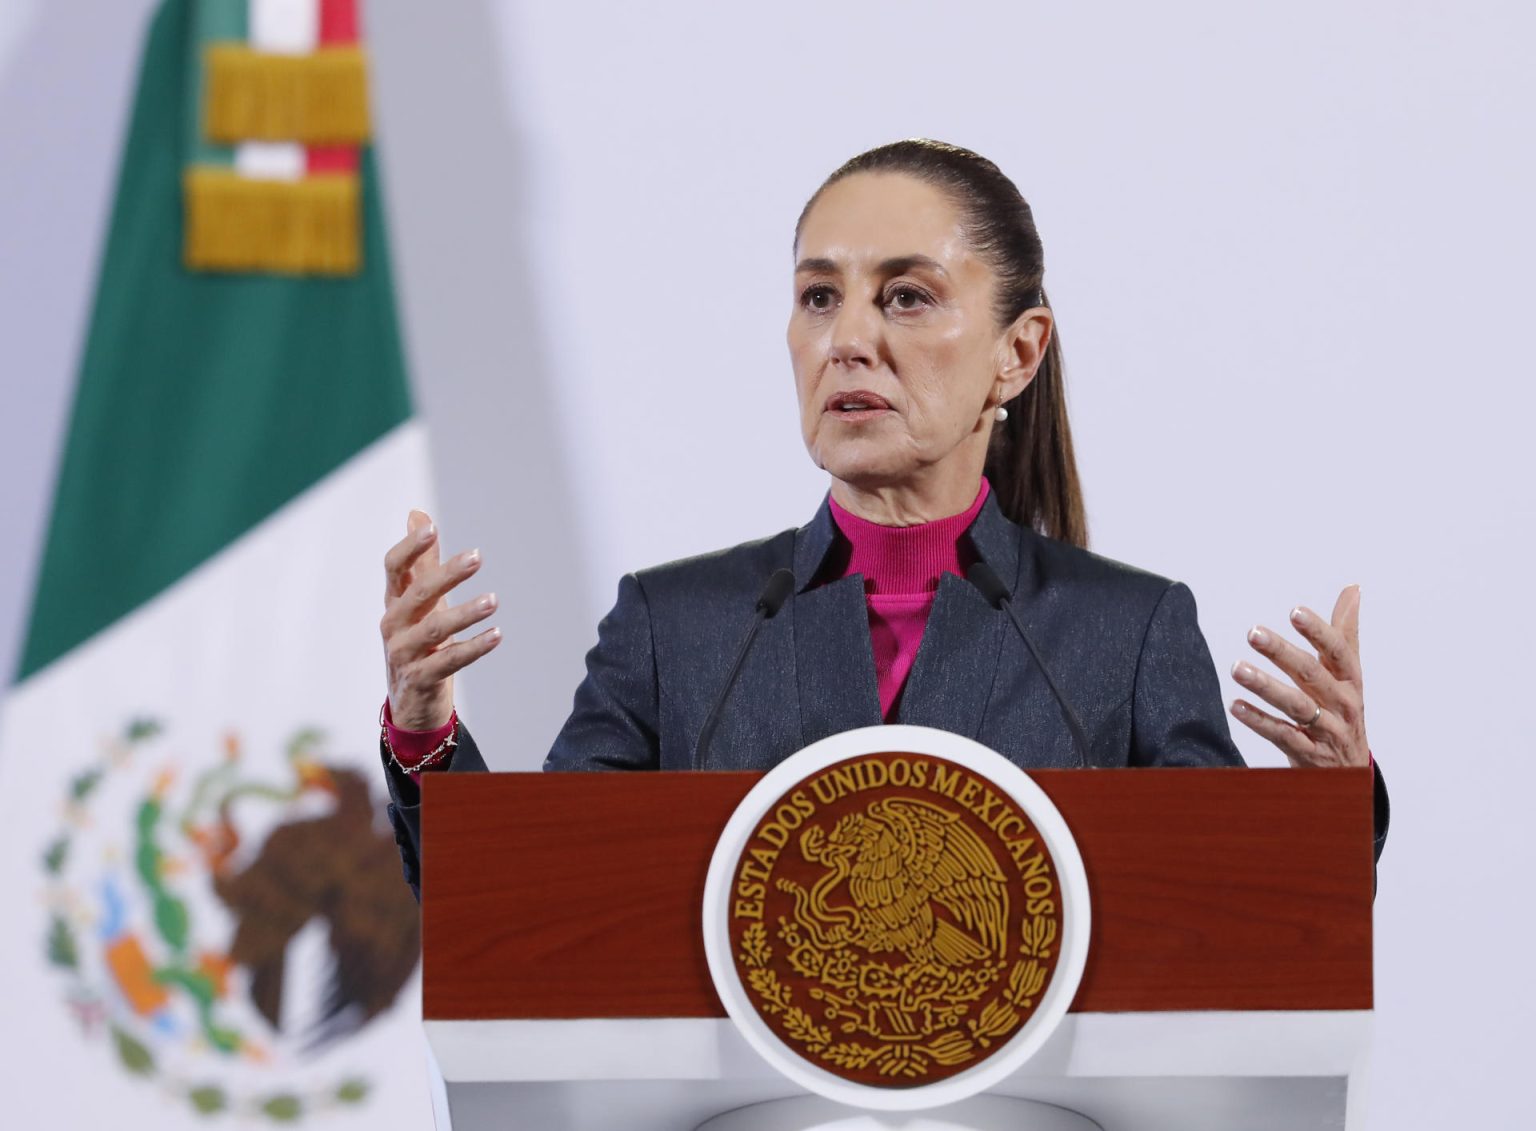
x=1002, y=413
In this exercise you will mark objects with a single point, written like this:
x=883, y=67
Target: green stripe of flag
x=204, y=402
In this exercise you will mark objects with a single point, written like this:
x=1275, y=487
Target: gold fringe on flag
x=317, y=99
x=305, y=227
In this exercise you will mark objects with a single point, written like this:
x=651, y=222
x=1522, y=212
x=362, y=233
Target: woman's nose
x=854, y=334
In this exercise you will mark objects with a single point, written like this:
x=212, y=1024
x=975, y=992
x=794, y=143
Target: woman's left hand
x=1324, y=712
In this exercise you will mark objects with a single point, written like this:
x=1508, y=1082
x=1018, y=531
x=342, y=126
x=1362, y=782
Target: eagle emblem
x=917, y=882
x=895, y=933
x=222, y=921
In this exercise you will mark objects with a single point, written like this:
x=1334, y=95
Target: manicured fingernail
x=1240, y=707
x=1299, y=616
x=494, y=634
x=471, y=557
x=1247, y=672
x=1257, y=635
x=426, y=533
x=488, y=601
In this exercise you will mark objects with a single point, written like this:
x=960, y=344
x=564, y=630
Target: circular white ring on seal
x=998, y=771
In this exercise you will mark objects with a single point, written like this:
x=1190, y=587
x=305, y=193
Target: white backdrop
x=1289, y=250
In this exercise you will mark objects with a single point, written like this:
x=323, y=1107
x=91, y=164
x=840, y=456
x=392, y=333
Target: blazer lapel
x=834, y=661
x=963, y=644
x=999, y=542
x=957, y=661
x=951, y=678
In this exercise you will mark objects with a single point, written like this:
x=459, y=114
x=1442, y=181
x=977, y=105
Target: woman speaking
x=943, y=582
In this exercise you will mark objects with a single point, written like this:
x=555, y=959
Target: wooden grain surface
x=579, y=895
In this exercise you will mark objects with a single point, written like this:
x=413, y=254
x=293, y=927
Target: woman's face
x=899, y=362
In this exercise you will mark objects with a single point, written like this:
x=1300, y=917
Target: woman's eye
x=906, y=298
x=819, y=297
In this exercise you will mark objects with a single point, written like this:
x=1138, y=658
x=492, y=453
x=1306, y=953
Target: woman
x=929, y=376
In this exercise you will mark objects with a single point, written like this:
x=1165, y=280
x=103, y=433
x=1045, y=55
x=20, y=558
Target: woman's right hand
x=420, y=653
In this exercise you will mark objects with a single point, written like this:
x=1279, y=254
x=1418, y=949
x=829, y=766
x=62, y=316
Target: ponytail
x=1031, y=464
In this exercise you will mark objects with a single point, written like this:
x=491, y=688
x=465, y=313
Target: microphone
x=780, y=585
x=996, y=593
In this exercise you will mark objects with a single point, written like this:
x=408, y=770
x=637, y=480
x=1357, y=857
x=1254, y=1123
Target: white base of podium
x=1262, y=1071
x=982, y=1113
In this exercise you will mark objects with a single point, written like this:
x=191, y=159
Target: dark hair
x=1030, y=461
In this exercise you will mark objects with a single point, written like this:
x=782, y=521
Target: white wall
x=1290, y=252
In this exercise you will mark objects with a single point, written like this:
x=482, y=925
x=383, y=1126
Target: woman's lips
x=857, y=404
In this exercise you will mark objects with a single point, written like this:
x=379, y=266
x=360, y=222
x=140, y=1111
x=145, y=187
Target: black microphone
x=996, y=593
x=780, y=585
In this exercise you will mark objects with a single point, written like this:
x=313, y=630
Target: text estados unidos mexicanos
x=940, y=778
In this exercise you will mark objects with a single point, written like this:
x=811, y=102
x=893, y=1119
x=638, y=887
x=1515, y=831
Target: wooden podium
x=1228, y=983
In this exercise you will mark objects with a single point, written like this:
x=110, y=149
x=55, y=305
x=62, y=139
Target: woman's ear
x=1024, y=344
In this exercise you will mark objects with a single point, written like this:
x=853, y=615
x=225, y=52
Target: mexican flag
x=206, y=922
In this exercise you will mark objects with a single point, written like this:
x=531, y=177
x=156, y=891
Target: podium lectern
x=1227, y=986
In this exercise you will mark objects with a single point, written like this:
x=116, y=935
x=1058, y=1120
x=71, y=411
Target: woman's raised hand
x=420, y=653
x=1324, y=712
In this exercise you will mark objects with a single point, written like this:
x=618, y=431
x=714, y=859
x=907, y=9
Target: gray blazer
x=1123, y=645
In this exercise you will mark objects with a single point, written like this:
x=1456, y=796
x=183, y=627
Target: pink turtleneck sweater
x=901, y=567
